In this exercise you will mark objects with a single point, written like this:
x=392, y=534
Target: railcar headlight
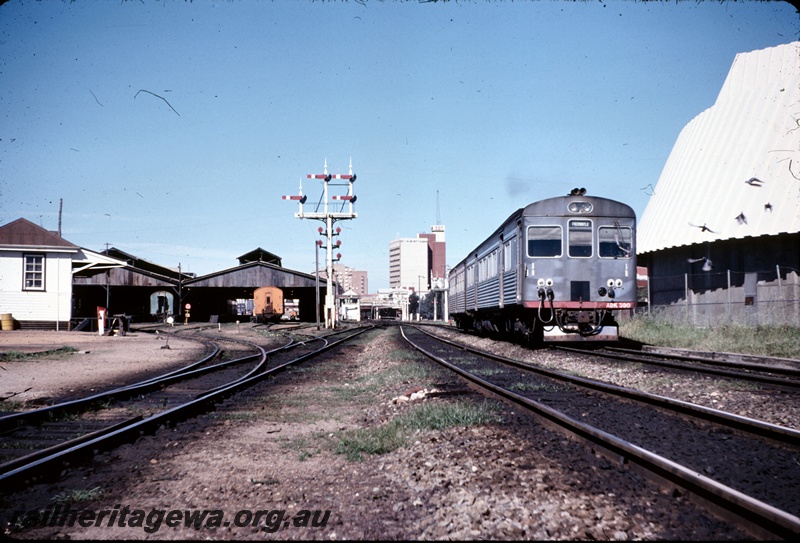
x=580, y=207
x=540, y=282
x=610, y=283
x=618, y=283
x=549, y=282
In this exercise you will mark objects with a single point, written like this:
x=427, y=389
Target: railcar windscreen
x=580, y=239
x=615, y=241
x=544, y=241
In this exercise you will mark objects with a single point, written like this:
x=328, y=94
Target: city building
x=437, y=254
x=418, y=263
x=348, y=279
x=409, y=264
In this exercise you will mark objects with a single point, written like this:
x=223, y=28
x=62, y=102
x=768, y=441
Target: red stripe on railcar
x=581, y=305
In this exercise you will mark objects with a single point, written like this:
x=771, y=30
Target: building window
x=33, y=274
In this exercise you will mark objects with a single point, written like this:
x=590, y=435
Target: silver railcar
x=555, y=270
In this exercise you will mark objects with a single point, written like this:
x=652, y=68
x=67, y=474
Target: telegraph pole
x=329, y=218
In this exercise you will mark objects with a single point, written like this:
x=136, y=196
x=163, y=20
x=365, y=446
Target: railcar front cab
x=580, y=265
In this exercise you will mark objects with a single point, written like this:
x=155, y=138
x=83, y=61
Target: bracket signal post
x=329, y=218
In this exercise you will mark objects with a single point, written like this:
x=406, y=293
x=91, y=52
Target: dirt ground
x=96, y=361
x=265, y=466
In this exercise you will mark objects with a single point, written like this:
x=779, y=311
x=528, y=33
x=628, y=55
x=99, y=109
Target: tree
x=413, y=302
x=426, y=306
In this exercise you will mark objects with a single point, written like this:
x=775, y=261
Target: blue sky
x=461, y=111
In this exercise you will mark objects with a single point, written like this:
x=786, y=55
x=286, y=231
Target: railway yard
x=287, y=443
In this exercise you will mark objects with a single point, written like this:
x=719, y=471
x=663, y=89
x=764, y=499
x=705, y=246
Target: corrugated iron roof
x=141, y=265
x=734, y=171
x=208, y=279
x=25, y=234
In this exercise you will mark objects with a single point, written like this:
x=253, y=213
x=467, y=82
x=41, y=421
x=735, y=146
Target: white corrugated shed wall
x=752, y=131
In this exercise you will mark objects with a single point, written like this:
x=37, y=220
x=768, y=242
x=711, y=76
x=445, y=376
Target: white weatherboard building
x=720, y=235
x=36, y=270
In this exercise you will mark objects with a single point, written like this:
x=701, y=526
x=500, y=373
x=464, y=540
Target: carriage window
x=544, y=241
x=508, y=256
x=580, y=238
x=615, y=241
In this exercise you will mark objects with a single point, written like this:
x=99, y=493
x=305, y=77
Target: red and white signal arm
x=188, y=306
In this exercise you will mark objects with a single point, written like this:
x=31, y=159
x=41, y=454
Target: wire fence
x=708, y=299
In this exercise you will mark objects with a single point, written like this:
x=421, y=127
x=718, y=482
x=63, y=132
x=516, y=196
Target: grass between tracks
x=402, y=370
x=779, y=341
x=396, y=433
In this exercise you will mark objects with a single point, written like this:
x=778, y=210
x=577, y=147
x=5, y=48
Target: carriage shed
x=133, y=289
x=143, y=290
x=720, y=235
x=215, y=293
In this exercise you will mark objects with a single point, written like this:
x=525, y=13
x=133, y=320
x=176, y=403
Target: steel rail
x=686, y=367
x=762, y=515
x=791, y=367
x=42, y=453
x=757, y=427
x=49, y=464
x=9, y=422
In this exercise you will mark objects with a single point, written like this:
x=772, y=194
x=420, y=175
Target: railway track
x=784, y=372
x=747, y=468
x=164, y=400
x=763, y=370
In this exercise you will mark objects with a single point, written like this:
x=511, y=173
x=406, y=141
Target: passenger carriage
x=556, y=269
